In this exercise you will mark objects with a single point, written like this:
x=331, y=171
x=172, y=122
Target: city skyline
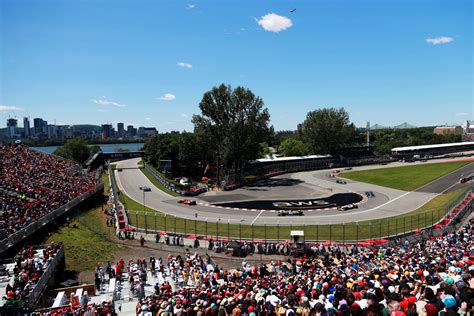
x=400, y=61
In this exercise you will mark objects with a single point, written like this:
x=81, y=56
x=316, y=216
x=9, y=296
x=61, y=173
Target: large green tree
x=74, y=149
x=328, y=129
x=237, y=122
x=293, y=147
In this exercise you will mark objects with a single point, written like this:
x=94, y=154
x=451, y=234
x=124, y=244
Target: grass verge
x=407, y=178
x=87, y=239
x=157, y=183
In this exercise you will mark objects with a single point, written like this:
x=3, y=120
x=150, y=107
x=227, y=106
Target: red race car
x=187, y=202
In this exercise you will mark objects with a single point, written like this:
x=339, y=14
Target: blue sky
x=149, y=62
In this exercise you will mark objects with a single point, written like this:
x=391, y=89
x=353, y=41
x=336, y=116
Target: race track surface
x=303, y=185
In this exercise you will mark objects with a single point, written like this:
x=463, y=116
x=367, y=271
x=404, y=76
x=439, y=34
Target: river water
x=106, y=148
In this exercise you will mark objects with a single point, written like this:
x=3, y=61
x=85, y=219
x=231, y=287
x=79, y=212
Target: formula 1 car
x=187, y=202
x=291, y=213
x=347, y=207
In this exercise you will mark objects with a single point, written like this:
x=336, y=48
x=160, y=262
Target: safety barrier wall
x=114, y=196
x=162, y=180
x=45, y=278
x=46, y=219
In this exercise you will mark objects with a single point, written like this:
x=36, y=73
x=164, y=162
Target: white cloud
x=167, y=97
x=147, y=119
x=184, y=115
x=190, y=6
x=10, y=108
x=102, y=100
x=461, y=114
x=439, y=40
x=185, y=65
x=274, y=23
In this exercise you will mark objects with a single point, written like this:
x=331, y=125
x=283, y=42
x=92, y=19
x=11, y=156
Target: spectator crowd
x=29, y=266
x=32, y=184
x=426, y=278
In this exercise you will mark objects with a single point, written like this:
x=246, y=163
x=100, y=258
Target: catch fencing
x=375, y=231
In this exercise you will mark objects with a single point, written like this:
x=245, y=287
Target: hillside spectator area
x=32, y=184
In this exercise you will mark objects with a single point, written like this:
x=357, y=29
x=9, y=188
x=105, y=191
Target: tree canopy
x=293, y=147
x=74, y=149
x=328, y=129
x=237, y=122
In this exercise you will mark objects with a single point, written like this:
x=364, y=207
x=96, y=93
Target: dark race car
x=291, y=213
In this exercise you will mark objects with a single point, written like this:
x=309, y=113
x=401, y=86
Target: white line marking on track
x=256, y=217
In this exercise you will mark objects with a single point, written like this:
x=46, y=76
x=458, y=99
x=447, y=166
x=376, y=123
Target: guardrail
x=117, y=205
x=16, y=237
x=45, y=278
x=162, y=180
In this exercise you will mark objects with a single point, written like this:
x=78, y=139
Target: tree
x=74, y=149
x=293, y=147
x=328, y=129
x=237, y=122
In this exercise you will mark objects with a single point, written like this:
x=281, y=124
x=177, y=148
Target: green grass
x=425, y=216
x=88, y=244
x=157, y=183
x=407, y=178
x=87, y=240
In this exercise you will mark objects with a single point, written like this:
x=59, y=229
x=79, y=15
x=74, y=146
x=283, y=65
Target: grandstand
x=432, y=150
x=36, y=188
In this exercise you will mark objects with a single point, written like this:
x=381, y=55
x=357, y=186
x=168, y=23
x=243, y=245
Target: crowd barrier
x=33, y=227
x=45, y=278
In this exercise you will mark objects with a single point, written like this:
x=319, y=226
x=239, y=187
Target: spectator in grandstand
x=32, y=184
x=433, y=277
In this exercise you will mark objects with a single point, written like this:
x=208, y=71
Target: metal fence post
x=195, y=228
x=265, y=233
x=155, y=222
x=251, y=226
x=278, y=232
x=343, y=233
x=206, y=226
x=357, y=231
x=146, y=226
x=240, y=232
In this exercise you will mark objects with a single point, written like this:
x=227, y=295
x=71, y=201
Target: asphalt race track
x=289, y=187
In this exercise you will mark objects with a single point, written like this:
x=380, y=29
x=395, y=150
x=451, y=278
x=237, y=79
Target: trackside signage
x=334, y=200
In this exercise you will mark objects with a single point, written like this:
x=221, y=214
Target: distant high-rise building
x=52, y=131
x=107, y=131
x=10, y=132
x=38, y=127
x=131, y=131
x=120, y=129
x=26, y=127
x=45, y=128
